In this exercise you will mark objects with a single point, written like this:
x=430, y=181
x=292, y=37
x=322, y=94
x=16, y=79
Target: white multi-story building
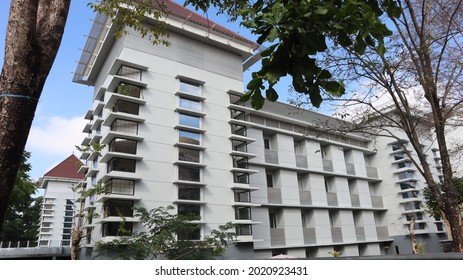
x=57, y=218
x=177, y=134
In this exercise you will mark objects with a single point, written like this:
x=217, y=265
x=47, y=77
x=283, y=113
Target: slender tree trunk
x=35, y=29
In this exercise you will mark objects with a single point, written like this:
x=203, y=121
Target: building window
x=193, y=233
x=67, y=225
x=122, y=106
x=242, y=196
x=267, y=145
x=116, y=208
x=240, y=178
x=273, y=219
x=238, y=129
x=121, y=164
x=243, y=213
x=186, y=173
x=189, y=104
x=189, y=192
x=121, y=186
x=191, y=121
x=124, y=126
x=190, y=88
x=186, y=154
x=243, y=230
x=239, y=146
x=117, y=229
x=269, y=180
x=189, y=137
x=122, y=145
x=129, y=72
x=240, y=162
x=128, y=90
x=189, y=209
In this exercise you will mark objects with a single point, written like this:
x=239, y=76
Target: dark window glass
x=189, y=192
x=121, y=186
x=121, y=164
x=122, y=145
x=118, y=208
x=188, y=155
x=189, y=209
x=128, y=90
x=117, y=229
x=122, y=106
x=124, y=126
x=129, y=72
x=189, y=173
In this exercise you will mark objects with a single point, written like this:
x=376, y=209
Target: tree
x=420, y=77
x=35, y=29
x=23, y=214
x=431, y=203
x=168, y=235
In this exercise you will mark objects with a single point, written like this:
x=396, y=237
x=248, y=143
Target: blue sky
x=58, y=122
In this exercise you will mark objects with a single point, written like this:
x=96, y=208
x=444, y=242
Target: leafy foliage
x=163, y=238
x=297, y=31
x=23, y=214
x=431, y=202
x=134, y=14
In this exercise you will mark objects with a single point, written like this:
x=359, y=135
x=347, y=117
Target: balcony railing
x=360, y=233
x=277, y=236
x=274, y=195
x=377, y=201
x=383, y=233
x=327, y=165
x=355, y=200
x=301, y=161
x=336, y=234
x=271, y=156
x=372, y=172
x=309, y=235
x=305, y=197
x=332, y=199
x=350, y=168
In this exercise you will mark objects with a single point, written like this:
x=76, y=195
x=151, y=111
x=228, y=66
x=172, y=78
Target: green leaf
x=315, y=97
x=254, y=83
x=257, y=100
x=271, y=94
x=333, y=87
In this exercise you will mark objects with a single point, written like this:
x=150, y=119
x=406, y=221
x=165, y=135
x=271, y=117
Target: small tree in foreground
x=167, y=235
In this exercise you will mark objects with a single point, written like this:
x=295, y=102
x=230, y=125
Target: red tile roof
x=190, y=16
x=67, y=169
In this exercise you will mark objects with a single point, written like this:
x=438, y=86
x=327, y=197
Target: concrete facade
x=177, y=134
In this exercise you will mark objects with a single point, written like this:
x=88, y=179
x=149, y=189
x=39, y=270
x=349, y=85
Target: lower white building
x=57, y=219
x=177, y=134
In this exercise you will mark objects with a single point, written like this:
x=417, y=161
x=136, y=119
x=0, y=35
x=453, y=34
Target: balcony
x=383, y=233
x=332, y=199
x=355, y=200
x=327, y=165
x=372, y=172
x=309, y=235
x=277, y=236
x=350, y=168
x=271, y=156
x=360, y=233
x=305, y=197
x=301, y=161
x=377, y=201
x=336, y=234
x=274, y=195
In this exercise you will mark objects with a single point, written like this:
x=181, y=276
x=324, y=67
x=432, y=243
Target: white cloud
x=56, y=135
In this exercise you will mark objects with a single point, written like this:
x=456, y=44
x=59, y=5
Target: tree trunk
x=35, y=29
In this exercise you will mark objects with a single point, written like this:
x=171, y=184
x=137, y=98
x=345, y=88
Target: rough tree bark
x=33, y=36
